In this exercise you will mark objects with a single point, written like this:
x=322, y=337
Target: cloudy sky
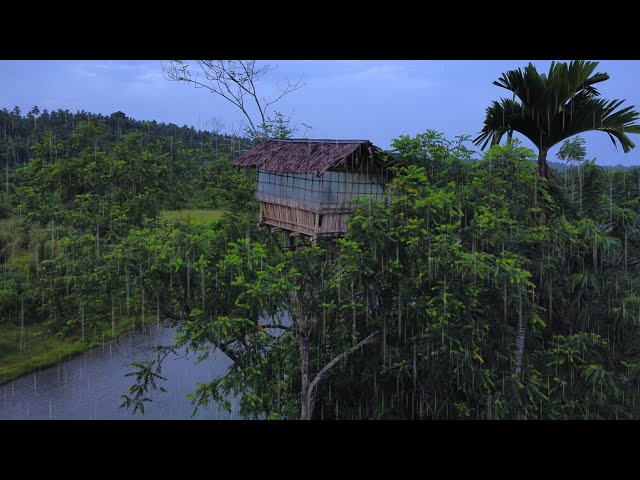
x=375, y=100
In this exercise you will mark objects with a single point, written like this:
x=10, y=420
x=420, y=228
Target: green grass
x=41, y=348
x=201, y=216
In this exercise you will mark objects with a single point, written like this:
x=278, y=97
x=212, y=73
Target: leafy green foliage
x=146, y=379
x=473, y=291
x=573, y=150
x=448, y=272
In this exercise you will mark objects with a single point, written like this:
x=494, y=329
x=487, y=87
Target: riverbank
x=23, y=351
x=90, y=385
x=37, y=347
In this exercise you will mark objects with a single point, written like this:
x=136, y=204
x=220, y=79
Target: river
x=89, y=386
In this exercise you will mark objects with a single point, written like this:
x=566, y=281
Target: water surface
x=89, y=386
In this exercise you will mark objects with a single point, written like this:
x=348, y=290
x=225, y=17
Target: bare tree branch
x=276, y=325
x=313, y=385
x=235, y=81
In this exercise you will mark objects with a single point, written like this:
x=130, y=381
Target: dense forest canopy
x=478, y=290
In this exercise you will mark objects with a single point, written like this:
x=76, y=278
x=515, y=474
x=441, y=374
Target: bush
x=5, y=209
x=8, y=296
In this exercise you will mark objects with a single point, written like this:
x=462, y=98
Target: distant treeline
x=20, y=131
x=561, y=167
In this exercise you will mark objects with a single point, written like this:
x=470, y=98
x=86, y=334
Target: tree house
x=309, y=187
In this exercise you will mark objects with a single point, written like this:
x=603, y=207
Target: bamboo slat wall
x=288, y=218
x=333, y=224
x=311, y=205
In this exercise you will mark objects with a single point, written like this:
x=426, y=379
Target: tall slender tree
x=548, y=109
x=34, y=112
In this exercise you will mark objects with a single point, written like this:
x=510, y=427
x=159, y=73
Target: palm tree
x=551, y=108
x=34, y=113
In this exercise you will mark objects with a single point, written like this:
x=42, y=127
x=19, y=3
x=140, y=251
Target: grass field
x=202, y=216
x=28, y=350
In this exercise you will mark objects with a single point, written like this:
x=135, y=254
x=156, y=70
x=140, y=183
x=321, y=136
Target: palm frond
x=494, y=124
x=594, y=113
x=555, y=106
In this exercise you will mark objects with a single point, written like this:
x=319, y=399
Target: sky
x=344, y=99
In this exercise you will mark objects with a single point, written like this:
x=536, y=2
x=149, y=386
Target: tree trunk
x=308, y=389
x=543, y=166
x=542, y=163
x=543, y=171
x=520, y=338
x=305, y=390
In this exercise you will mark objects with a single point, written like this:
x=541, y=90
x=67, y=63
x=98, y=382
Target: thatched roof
x=304, y=155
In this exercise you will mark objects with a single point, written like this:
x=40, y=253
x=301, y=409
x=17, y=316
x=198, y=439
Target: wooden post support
x=316, y=226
